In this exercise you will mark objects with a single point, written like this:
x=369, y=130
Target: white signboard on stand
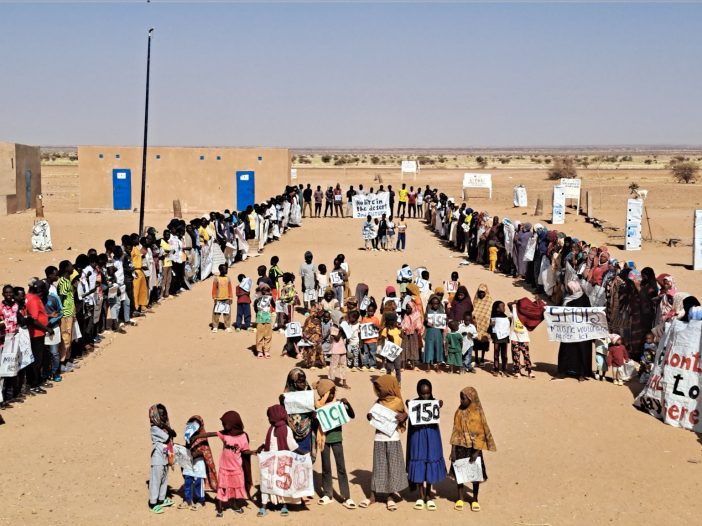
x=572, y=189
x=409, y=167
x=634, y=214
x=520, y=196
x=558, y=205
x=293, y=173
x=477, y=180
x=697, y=241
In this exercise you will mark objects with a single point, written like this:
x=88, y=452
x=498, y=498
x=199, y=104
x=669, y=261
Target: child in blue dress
x=425, y=456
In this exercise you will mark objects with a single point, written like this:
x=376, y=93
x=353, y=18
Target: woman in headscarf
x=521, y=243
x=575, y=358
x=434, y=333
x=416, y=296
x=597, y=273
x=665, y=297
x=312, y=333
x=389, y=475
x=471, y=436
x=203, y=463
x=648, y=291
x=460, y=305
x=482, y=308
x=630, y=306
x=303, y=425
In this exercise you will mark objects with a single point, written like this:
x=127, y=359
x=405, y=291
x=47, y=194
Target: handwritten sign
x=222, y=307
x=383, y=419
x=336, y=279
x=390, y=351
x=437, y=320
x=365, y=303
x=286, y=474
x=310, y=295
x=422, y=412
x=281, y=306
x=450, y=286
x=374, y=205
x=576, y=324
x=467, y=472
x=368, y=331
x=10, y=357
x=183, y=457
x=571, y=188
x=299, y=402
x=332, y=415
x=293, y=330
x=409, y=167
x=264, y=302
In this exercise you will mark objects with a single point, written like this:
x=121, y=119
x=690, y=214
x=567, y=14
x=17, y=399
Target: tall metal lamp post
x=146, y=130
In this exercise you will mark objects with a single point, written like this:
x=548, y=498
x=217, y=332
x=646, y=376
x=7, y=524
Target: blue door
x=245, y=189
x=122, y=189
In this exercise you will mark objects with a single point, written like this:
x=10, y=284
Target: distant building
x=20, y=177
x=203, y=179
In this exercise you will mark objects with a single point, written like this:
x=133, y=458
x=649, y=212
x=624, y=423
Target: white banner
x=576, y=324
x=422, y=412
x=299, y=402
x=390, y=351
x=634, y=214
x=467, y=472
x=477, y=180
x=697, y=241
x=558, y=205
x=286, y=474
x=332, y=416
x=374, y=205
x=10, y=356
x=520, y=196
x=673, y=390
x=383, y=419
x=409, y=167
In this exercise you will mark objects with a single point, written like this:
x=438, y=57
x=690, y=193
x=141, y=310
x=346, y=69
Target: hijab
x=470, y=427
x=156, y=419
x=481, y=312
x=575, y=291
x=389, y=395
x=278, y=419
x=460, y=307
x=530, y=313
x=293, y=376
x=200, y=448
x=301, y=424
x=232, y=424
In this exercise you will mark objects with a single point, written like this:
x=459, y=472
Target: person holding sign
x=412, y=327
x=391, y=333
x=370, y=325
x=331, y=442
x=389, y=475
x=425, y=455
x=499, y=330
x=264, y=321
x=434, y=334
x=337, y=365
x=470, y=437
x=575, y=358
x=222, y=296
x=303, y=425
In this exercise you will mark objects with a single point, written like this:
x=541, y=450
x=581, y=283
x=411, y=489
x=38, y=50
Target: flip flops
x=157, y=509
x=459, y=505
x=167, y=502
x=474, y=506
x=324, y=501
x=284, y=512
x=419, y=505
x=431, y=506
x=349, y=504
x=365, y=503
x=391, y=505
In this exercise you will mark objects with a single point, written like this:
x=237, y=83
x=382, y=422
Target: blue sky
x=352, y=74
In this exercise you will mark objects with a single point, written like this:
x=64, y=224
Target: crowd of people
x=420, y=471
x=47, y=328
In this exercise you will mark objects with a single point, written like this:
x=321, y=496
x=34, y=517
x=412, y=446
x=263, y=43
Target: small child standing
x=370, y=345
x=322, y=281
x=352, y=333
x=392, y=333
x=161, y=458
x=648, y=357
x=492, y=256
x=243, y=303
x=616, y=358
x=264, y=321
x=288, y=297
x=337, y=366
x=499, y=330
x=331, y=441
x=468, y=331
x=454, y=347
x=601, y=358
x=203, y=468
x=519, y=340
x=222, y=296
x=451, y=286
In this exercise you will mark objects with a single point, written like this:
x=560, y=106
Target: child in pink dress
x=337, y=366
x=234, y=479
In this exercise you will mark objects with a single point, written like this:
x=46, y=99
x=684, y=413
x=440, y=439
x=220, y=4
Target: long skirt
x=389, y=474
x=425, y=456
x=434, y=346
x=410, y=348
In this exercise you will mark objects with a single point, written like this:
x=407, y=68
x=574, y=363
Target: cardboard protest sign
x=576, y=324
x=10, y=357
x=222, y=307
x=672, y=393
x=467, y=472
x=332, y=415
x=390, y=351
x=422, y=412
x=286, y=474
x=281, y=306
x=265, y=302
x=183, y=457
x=336, y=278
x=310, y=295
x=365, y=302
x=437, y=320
x=374, y=205
x=368, y=331
x=383, y=419
x=298, y=402
x=293, y=330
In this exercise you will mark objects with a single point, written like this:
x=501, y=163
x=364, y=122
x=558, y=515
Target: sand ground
x=568, y=453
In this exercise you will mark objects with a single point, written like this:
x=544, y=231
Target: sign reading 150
x=422, y=412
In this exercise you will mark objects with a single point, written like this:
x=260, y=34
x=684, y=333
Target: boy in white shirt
x=468, y=330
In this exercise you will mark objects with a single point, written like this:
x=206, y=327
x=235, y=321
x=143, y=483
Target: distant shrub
x=482, y=161
x=562, y=167
x=374, y=159
x=685, y=171
x=326, y=158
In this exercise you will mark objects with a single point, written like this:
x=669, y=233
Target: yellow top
x=403, y=194
x=166, y=247
x=204, y=235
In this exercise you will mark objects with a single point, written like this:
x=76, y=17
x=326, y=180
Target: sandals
x=349, y=504
x=365, y=503
x=183, y=506
x=391, y=505
x=419, y=505
x=157, y=509
x=474, y=506
x=284, y=512
x=431, y=506
x=167, y=502
x=262, y=512
x=324, y=501
x=459, y=505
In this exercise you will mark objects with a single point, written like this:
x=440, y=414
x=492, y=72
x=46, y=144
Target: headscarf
x=389, y=395
x=530, y=313
x=200, y=448
x=692, y=309
x=460, y=307
x=470, y=427
x=575, y=291
x=156, y=419
x=440, y=310
x=278, y=419
x=390, y=290
x=301, y=424
x=481, y=312
x=614, y=338
x=232, y=424
x=439, y=290
x=361, y=292
x=424, y=382
x=413, y=289
x=662, y=279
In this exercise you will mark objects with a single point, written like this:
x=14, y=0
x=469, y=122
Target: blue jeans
x=400, y=241
x=194, y=489
x=243, y=316
x=115, y=304
x=55, y=358
x=368, y=355
x=339, y=293
x=468, y=359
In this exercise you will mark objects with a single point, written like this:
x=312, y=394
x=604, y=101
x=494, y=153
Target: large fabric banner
x=672, y=393
x=286, y=474
x=374, y=205
x=576, y=324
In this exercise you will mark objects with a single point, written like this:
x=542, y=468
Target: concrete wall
x=19, y=164
x=203, y=179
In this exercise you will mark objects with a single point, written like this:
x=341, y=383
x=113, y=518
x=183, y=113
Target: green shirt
x=65, y=290
x=333, y=436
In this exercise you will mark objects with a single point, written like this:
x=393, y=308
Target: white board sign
x=183, y=457
x=572, y=188
x=697, y=241
x=281, y=306
x=409, y=167
x=576, y=324
x=336, y=279
x=293, y=330
x=520, y=196
x=423, y=412
x=467, y=472
x=286, y=474
x=477, y=180
x=437, y=320
x=374, y=205
x=390, y=351
x=632, y=235
x=299, y=402
x=368, y=331
x=558, y=205
x=332, y=415
x=293, y=173
x=310, y=295
x=383, y=419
